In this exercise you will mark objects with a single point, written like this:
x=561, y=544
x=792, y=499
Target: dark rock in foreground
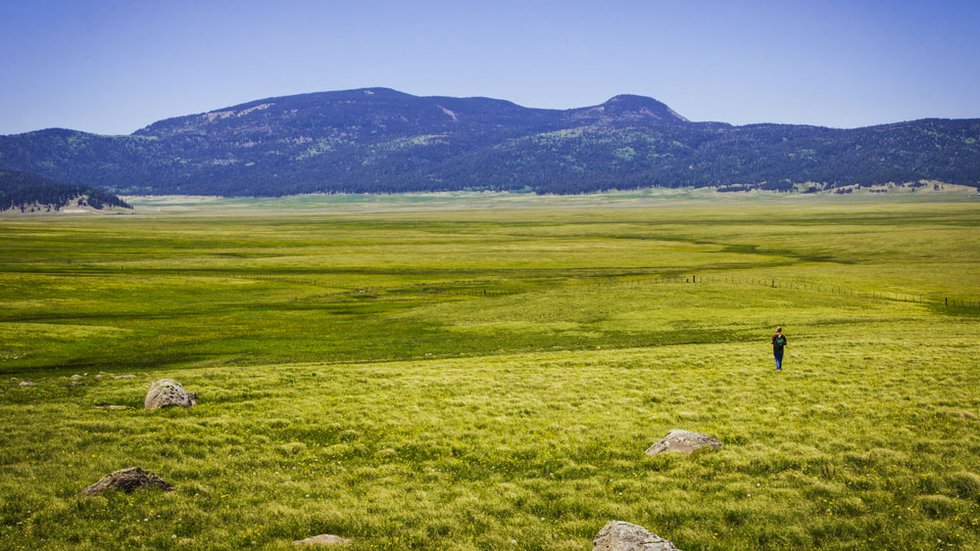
x=623, y=536
x=128, y=480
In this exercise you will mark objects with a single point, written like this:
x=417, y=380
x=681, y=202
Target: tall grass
x=489, y=377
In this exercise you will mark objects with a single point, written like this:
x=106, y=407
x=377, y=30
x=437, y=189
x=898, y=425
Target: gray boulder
x=623, y=536
x=28, y=383
x=165, y=393
x=128, y=480
x=323, y=539
x=684, y=441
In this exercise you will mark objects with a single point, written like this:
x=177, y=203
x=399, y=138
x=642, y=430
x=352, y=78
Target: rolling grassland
x=485, y=372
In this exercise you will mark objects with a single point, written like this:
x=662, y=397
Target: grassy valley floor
x=485, y=372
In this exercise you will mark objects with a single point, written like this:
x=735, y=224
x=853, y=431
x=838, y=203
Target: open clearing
x=471, y=371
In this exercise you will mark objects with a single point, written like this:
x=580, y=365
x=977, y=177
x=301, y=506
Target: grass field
x=471, y=371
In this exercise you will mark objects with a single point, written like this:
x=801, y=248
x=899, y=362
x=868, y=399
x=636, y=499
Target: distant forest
x=23, y=191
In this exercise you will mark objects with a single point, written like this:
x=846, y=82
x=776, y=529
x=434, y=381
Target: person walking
x=778, y=343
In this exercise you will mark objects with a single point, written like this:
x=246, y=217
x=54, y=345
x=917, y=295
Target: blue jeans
x=778, y=354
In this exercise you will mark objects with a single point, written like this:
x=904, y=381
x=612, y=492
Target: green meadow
x=484, y=372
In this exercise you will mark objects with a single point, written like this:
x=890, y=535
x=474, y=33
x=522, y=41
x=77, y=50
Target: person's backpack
x=780, y=341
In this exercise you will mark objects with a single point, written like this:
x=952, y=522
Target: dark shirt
x=778, y=342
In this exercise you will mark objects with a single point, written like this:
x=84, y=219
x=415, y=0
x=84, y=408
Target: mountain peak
x=628, y=110
x=638, y=107
x=634, y=99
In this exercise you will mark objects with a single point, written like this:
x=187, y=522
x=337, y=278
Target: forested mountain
x=382, y=140
x=32, y=193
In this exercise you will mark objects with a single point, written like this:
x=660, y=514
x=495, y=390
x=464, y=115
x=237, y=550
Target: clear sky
x=112, y=67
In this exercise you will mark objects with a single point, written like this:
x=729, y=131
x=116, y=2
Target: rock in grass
x=76, y=380
x=684, y=441
x=128, y=480
x=124, y=376
x=165, y=393
x=623, y=536
x=28, y=383
x=323, y=539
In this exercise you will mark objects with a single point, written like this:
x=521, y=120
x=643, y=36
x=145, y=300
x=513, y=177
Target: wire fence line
x=493, y=289
x=784, y=283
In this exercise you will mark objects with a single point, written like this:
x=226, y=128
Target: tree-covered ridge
x=381, y=140
x=22, y=190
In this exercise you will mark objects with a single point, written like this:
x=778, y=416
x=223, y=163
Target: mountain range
x=382, y=140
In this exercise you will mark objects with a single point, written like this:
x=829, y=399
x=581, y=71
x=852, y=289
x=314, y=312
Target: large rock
x=684, y=441
x=623, y=536
x=128, y=480
x=165, y=393
x=323, y=539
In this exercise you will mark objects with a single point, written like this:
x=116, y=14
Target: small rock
x=323, y=539
x=623, y=536
x=124, y=376
x=28, y=383
x=684, y=441
x=111, y=406
x=128, y=480
x=166, y=393
x=76, y=380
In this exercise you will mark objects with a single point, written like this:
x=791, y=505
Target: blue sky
x=112, y=67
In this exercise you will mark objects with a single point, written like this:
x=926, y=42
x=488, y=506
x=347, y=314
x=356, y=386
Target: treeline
x=21, y=190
